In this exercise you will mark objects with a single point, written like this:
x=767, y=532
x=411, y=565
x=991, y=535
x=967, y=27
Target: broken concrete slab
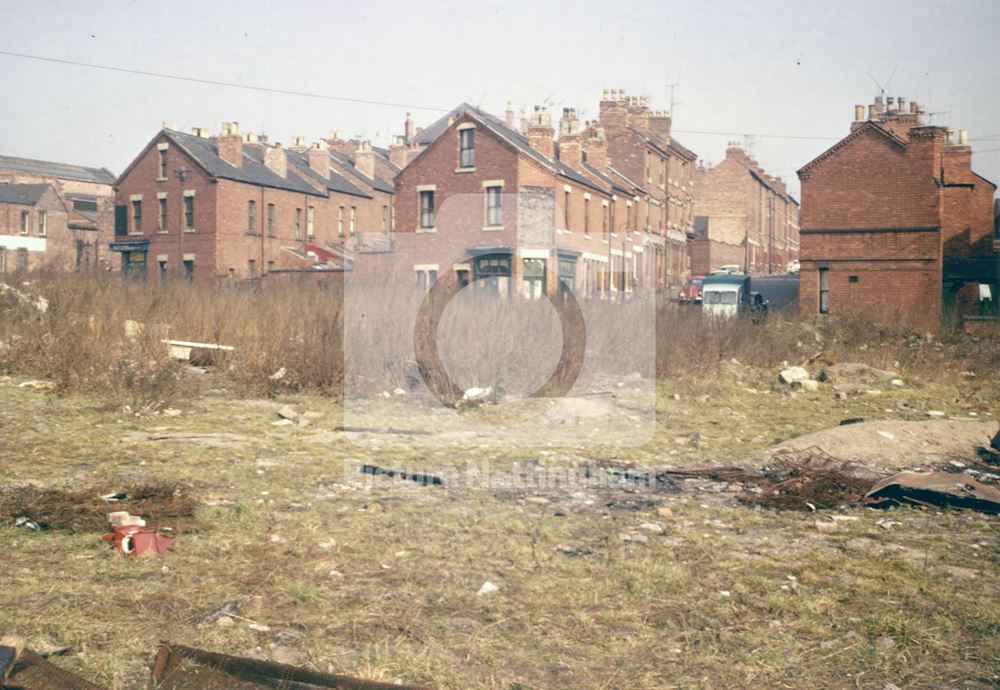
x=855, y=373
x=793, y=375
x=914, y=443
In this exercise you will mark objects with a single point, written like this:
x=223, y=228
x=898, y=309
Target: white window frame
x=427, y=274
x=488, y=187
x=131, y=216
x=161, y=162
x=187, y=194
x=462, y=129
x=421, y=228
x=43, y=223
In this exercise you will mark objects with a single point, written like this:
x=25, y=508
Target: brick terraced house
x=528, y=214
x=534, y=212
x=235, y=206
x=641, y=148
x=85, y=212
x=895, y=223
x=743, y=217
x=34, y=234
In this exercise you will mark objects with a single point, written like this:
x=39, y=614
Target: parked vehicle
x=691, y=292
x=730, y=296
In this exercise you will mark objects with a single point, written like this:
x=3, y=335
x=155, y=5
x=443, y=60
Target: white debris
x=487, y=588
x=792, y=375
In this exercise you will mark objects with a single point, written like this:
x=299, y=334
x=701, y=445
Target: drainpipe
x=263, y=229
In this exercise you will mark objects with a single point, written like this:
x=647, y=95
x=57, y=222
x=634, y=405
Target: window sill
x=162, y=179
x=189, y=230
x=465, y=170
x=161, y=232
x=493, y=228
x=421, y=231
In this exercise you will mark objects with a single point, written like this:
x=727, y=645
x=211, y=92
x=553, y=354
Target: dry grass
x=380, y=580
x=297, y=332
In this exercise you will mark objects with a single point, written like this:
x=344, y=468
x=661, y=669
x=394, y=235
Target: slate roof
x=617, y=186
x=375, y=183
x=253, y=171
x=24, y=194
x=513, y=137
x=335, y=183
x=383, y=155
x=61, y=170
x=634, y=185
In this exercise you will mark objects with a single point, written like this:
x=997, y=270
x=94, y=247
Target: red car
x=691, y=292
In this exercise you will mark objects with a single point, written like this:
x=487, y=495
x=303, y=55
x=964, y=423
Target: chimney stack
x=570, y=145
x=364, y=159
x=231, y=144
x=540, y=132
x=509, y=115
x=276, y=160
x=659, y=124
x=397, y=152
x=408, y=129
x=319, y=159
x=613, y=113
x=597, y=147
x=638, y=114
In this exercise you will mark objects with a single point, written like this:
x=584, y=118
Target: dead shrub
x=84, y=510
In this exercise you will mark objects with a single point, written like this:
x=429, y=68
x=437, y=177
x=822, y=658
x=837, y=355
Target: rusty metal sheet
x=186, y=668
x=32, y=672
x=938, y=489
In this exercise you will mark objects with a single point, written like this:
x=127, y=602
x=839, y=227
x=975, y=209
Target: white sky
x=765, y=67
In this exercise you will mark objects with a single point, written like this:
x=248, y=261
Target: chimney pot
x=605, y=96
x=859, y=113
x=167, y=125
x=963, y=137
x=913, y=107
x=408, y=131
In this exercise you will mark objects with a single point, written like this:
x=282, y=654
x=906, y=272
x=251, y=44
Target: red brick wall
x=898, y=276
x=142, y=179
x=221, y=243
x=872, y=182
